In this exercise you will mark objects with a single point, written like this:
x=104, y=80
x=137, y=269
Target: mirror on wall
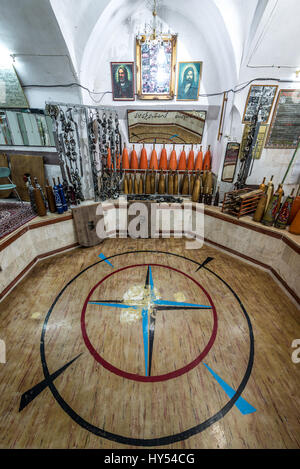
x=230, y=161
x=23, y=128
x=177, y=127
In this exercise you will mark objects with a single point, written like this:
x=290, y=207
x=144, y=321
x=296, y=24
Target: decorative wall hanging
x=260, y=97
x=105, y=140
x=89, y=145
x=285, y=126
x=246, y=131
x=166, y=126
x=188, y=81
x=69, y=152
x=155, y=68
x=260, y=141
x=122, y=77
x=247, y=154
x=230, y=161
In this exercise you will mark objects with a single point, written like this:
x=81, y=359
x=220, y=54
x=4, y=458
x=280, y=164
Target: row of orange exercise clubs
x=190, y=163
x=163, y=176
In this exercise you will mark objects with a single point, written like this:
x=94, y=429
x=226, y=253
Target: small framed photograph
x=188, y=81
x=260, y=97
x=122, y=77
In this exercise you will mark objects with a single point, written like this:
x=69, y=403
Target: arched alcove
x=113, y=39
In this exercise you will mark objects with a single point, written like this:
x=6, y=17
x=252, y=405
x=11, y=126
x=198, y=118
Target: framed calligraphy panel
x=166, y=126
x=284, y=130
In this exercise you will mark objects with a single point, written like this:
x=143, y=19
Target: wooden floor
x=148, y=380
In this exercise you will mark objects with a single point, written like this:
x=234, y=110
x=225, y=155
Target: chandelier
x=152, y=33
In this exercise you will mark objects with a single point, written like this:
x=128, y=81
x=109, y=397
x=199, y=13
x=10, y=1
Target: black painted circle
x=152, y=441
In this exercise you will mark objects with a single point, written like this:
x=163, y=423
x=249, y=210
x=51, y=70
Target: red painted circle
x=133, y=376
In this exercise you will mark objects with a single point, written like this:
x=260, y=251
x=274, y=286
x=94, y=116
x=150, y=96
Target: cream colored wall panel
x=288, y=267
x=18, y=255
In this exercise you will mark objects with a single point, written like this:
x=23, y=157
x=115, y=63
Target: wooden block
x=85, y=221
x=25, y=164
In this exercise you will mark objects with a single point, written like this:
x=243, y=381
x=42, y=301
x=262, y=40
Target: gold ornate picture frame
x=155, y=69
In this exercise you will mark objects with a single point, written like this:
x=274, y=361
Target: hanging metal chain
x=53, y=112
x=104, y=138
x=72, y=155
x=69, y=189
x=75, y=126
x=92, y=145
x=111, y=177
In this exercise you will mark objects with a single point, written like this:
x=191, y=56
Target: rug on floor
x=13, y=215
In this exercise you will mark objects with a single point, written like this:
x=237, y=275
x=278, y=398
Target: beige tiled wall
x=21, y=252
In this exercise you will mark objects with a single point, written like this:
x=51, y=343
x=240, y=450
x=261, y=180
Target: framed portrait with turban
x=188, y=81
x=122, y=77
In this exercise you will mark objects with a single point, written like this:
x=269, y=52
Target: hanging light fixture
x=152, y=33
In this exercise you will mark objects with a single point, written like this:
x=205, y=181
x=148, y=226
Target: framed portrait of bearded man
x=122, y=77
x=188, y=81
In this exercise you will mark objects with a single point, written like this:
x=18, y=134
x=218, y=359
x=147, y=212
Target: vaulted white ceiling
x=210, y=30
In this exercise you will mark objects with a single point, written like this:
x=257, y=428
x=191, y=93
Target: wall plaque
x=11, y=92
x=166, y=126
x=284, y=130
x=260, y=141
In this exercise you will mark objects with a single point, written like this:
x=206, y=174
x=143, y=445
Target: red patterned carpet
x=13, y=215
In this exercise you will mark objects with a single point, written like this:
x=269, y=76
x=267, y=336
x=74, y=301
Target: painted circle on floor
x=149, y=442
x=136, y=377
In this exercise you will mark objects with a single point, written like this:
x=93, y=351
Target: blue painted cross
x=156, y=304
x=148, y=326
